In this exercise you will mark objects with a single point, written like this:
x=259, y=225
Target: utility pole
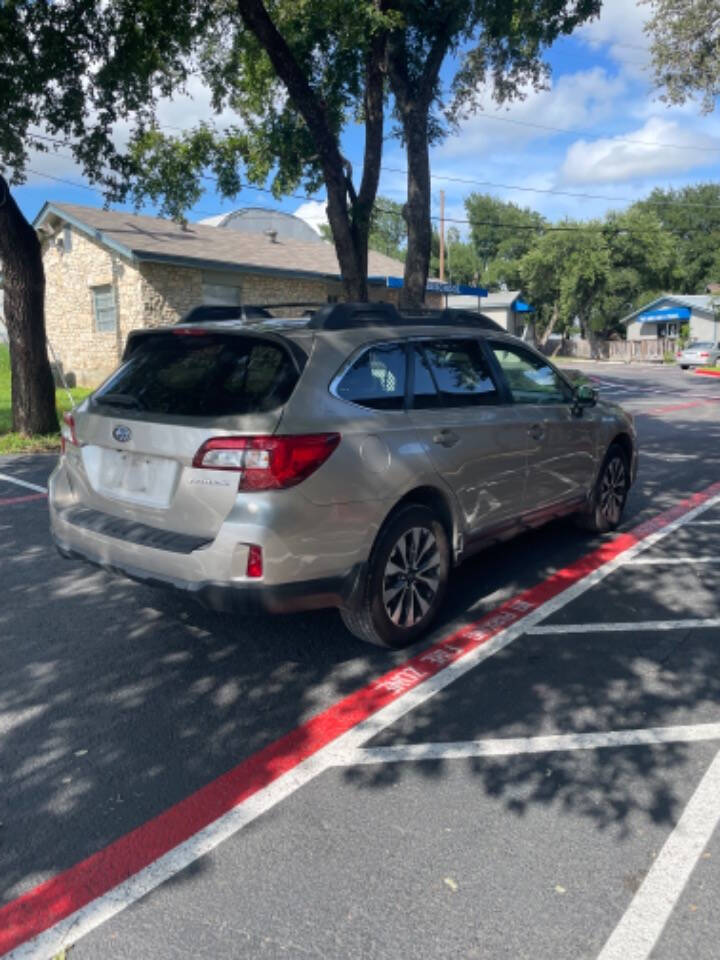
x=442, y=236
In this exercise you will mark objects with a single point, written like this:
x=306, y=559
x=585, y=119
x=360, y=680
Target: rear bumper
x=240, y=597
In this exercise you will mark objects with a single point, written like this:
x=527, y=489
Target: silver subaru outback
x=347, y=459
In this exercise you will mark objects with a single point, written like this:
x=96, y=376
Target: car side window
x=529, y=378
x=458, y=372
x=376, y=379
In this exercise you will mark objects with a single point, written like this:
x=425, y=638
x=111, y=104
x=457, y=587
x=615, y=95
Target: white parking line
x=704, y=523
x=629, y=627
x=549, y=744
x=339, y=751
x=22, y=483
x=638, y=931
x=663, y=561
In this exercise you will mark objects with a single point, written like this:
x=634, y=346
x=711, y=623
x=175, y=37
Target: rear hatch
x=138, y=433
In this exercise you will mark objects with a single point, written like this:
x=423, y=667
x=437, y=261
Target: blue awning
x=665, y=313
x=522, y=307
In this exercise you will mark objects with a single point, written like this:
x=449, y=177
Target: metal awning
x=665, y=313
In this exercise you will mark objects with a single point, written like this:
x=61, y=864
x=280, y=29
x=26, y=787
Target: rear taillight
x=705, y=354
x=679, y=353
x=67, y=432
x=267, y=463
x=254, y=562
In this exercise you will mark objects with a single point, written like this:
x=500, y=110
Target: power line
x=470, y=181
x=590, y=133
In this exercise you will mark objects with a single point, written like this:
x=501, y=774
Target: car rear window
x=201, y=375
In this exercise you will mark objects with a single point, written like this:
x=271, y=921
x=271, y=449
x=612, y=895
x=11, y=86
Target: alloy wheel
x=411, y=579
x=613, y=489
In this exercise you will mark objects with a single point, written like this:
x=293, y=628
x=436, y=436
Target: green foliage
x=565, y=273
x=15, y=442
x=388, y=232
x=501, y=230
x=683, y=335
x=691, y=216
x=685, y=50
x=668, y=357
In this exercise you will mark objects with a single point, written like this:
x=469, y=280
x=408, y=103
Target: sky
x=597, y=139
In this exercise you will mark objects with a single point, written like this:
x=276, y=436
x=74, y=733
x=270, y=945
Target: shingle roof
x=151, y=238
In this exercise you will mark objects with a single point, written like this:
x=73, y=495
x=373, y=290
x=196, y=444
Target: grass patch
x=18, y=442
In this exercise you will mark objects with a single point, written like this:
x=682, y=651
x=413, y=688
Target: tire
x=406, y=580
x=610, y=494
x=684, y=366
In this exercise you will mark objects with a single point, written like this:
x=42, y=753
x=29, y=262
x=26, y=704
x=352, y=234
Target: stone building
x=108, y=273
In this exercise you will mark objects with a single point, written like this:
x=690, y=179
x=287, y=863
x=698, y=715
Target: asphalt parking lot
x=540, y=778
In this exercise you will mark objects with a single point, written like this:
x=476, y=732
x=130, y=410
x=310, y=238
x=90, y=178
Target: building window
x=104, y=308
x=221, y=294
x=67, y=239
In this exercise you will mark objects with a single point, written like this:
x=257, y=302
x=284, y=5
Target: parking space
x=539, y=780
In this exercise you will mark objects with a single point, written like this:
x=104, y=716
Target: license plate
x=137, y=477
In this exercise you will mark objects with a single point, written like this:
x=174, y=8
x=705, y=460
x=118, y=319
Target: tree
x=502, y=45
x=294, y=74
x=62, y=79
x=501, y=230
x=33, y=389
x=565, y=275
x=691, y=216
x=685, y=49
x=642, y=260
x=387, y=228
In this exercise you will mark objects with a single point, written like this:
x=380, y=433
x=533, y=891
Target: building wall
x=87, y=355
x=702, y=327
x=148, y=295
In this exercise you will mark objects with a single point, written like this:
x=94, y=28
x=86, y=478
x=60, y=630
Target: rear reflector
x=254, y=562
x=67, y=432
x=267, y=463
x=704, y=354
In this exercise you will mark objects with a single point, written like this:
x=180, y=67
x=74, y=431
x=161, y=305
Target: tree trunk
x=417, y=208
x=545, y=336
x=350, y=234
x=33, y=390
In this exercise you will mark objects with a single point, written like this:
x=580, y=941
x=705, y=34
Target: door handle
x=537, y=431
x=446, y=438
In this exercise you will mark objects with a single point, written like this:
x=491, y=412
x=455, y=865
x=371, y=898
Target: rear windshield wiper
x=120, y=400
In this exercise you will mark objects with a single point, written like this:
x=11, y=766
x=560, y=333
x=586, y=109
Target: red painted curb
x=56, y=899
x=707, y=373
x=7, y=501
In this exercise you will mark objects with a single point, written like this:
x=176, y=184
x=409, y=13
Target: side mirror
x=585, y=396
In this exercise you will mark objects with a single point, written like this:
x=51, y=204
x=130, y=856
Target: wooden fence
x=627, y=351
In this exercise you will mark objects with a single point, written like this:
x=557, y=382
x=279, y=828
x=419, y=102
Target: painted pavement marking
x=645, y=919
x=550, y=629
x=513, y=746
x=662, y=561
x=8, y=501
x=52, y=916
x=23, y=483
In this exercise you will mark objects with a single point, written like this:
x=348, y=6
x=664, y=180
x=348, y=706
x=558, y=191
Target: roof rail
x=346, y=316
x=455, y=317
x=212, y=313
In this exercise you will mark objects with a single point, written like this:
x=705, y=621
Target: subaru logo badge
x=122, y=434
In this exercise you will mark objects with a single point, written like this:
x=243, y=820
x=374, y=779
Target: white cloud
x=312, y=212
x=620, y=29
x=573, y=99
x=615, y=159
